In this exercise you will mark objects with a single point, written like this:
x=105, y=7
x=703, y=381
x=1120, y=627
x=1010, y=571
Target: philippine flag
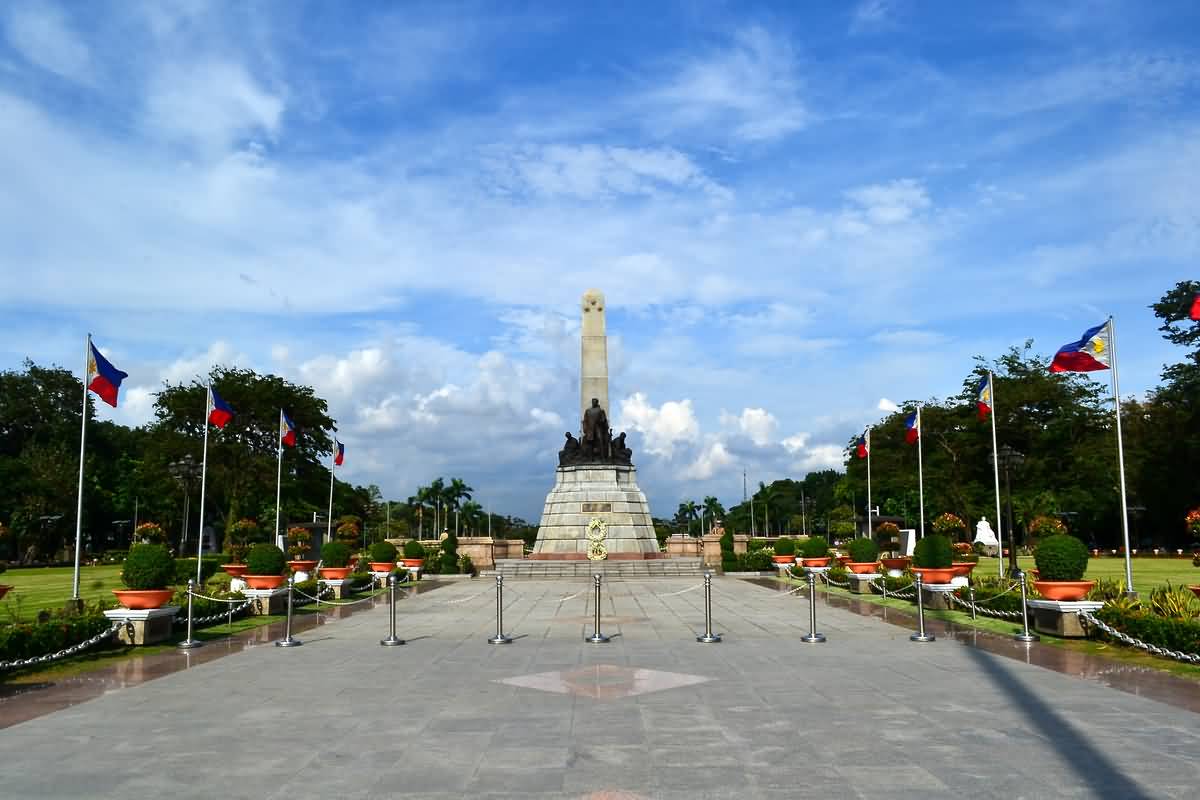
x=287, y=430
x=219, y=412
x=1090, y=353
x=339, y=452
x=1195, y=314
x=863, y=445
x=913, y=425
x=984, y=397
x=102, y=377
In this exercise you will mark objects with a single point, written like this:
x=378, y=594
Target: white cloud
x=891, y=203
x=825, y=456
x=872, y=15
x=887, y=405
x=211, y=104
x=41, y=34
x=750, y=89
x=663, y=428
x=712, y=459
x=756, y=424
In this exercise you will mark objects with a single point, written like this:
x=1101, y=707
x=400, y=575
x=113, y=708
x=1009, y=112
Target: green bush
x=838, y=574
x=1061, y=557
x=726, y=544
x=433, y=562
x=754, y=544
x=185, y=568
x=863, y=550
x=414, y=549
x=384, y=551
x=335, y=554
x=148, y=566
x=729, y=563
x=265, y=559
x=466, y=566
x=1175, y=634
x=450, y=555
x=785, y=546
x=30, y=639
x=933, y=552
x=814, y=547
x=758, y=561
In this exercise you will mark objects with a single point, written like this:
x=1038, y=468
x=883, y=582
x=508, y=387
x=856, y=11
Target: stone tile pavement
x=653, y=714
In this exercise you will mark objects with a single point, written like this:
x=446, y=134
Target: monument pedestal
x=341, y=589
x=860, y=582
x=267, y=601
x=605, y=492
x=1059, y=617
x=933, y=595
x=145, y=626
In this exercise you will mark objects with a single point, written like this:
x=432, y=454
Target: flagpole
x=87, y=360
x=996, y=474
x=203, y=484
x=329, y=520
x=1112, y=332
x=920, y=474
x=870, y=530
x=278, y=472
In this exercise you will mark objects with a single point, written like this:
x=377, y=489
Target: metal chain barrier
x=990, y=612
x=68, y=651
x=220, y=615
x=831, y=582
x=901, y=593
x=1187, y=658
x=328, y=589
x=681, y=591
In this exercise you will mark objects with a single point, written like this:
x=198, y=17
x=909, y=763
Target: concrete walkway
x=652, y=714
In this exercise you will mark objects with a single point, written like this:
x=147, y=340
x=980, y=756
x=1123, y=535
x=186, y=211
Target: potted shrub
x=383, y=557
x=887, y=536
x=298, y=540
x=414, y=553
x=785, y=551
x=814, y=552
x=148, y=573
x=1061, y=561
x=240, y=534
x=335, y=561
x=864, y=556
x=933, y=559
x=150, y=533
x=265, y=565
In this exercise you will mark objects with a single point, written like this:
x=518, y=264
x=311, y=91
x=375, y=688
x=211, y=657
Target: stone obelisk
x=595, y=510
x=593, y=354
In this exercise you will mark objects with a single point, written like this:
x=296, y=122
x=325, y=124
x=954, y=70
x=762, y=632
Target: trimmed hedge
x=414, y=549
x=863, y=550
x=1173, y=633
x=933, y=552
x=384, y=551
x=265, y=559
x=335, y=554
x=1061, y=557
x=814, y=547
x=29, y=639
x=785, y=546
x=148, y=566
x=185, y=568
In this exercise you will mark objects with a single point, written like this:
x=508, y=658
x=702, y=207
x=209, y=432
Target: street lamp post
x=1009, y=459
x=185, y=470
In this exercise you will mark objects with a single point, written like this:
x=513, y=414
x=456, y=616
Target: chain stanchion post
x=813, y=637
x=392, y=640
x=971, y=597
x=1025, y=635
x=287, y=640
x=597, y=637
x=500, y=638
x=921, y=635
x=189, y=643
x=709, y=637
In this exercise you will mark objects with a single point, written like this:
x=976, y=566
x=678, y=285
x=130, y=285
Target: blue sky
x=795, y=211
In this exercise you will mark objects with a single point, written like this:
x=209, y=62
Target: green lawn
x=1147, y=572
x=50, y=587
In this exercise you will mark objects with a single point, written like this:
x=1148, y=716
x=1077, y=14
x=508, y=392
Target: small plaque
x=596, y=508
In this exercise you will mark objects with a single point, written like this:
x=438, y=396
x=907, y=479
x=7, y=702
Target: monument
x=595, y=510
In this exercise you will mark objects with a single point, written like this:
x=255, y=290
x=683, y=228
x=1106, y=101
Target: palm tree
x=687, y=513
x=473, y=516
x=713, y=510
x=767, y=496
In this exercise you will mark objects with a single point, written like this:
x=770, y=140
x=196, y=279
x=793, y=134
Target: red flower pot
x=783, y=559
x=843, y=560
x=963, y=568
x=894, y=563
x=234, y=570
x=335, y=573
x=302, y=565
x=935, y=574
x=862, y=567
x=138, y=599
x=1195, y=591
x=381, y=566
x=4, y=590
x=816, y=562
x=264, y=581
x=1063, y=590
x=413, y=562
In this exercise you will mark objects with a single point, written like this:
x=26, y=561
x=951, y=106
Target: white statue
x=985, y=535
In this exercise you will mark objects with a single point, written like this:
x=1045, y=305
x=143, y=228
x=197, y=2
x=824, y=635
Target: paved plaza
x=652, y=714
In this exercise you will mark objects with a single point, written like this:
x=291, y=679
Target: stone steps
x=512, y=568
